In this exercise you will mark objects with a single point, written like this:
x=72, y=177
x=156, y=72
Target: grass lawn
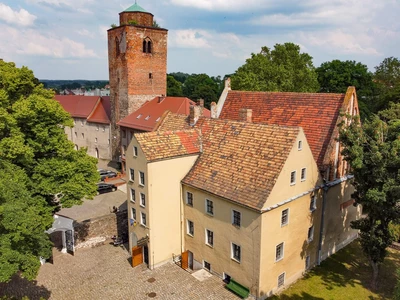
x=345, y=275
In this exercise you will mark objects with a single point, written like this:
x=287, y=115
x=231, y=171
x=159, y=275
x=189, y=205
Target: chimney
x=214, y=114
x=195, y=113
x=161, y=98
x=245, y=115
x=200, y=102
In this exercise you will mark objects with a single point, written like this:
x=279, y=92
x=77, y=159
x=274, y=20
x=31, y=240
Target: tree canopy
x=38, y=161
x=373, y=151
x=174, y=87
x=282, y=69
x=201, y=86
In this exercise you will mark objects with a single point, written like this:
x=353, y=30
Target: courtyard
x=104, y=272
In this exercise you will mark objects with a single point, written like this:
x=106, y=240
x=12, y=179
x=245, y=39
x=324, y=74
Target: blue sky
x=66, y=39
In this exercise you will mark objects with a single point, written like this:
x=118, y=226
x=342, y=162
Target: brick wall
x=141, y=18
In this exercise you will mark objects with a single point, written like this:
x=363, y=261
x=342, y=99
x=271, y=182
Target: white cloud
x=84, y=32
x=189, y=38
x=103, y=32
x=31, y=42
x=223, y=5
x=78, y=5
x=21, y=17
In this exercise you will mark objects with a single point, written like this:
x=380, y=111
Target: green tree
x=336, y=76
x=174, y=87
x=181, y=77
x=282, y=69
x=201, y=86
x=373, y=151
x=33, y=145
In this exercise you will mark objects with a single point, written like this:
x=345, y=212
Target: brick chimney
x=245, y=115
x=200, y=102
x=194, y=114
x=214, y=113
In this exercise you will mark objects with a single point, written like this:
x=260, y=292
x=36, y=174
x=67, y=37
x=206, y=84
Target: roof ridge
x=276, y=92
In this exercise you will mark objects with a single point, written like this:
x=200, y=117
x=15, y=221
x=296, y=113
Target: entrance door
x=185, y=260
x=146, y=254
x=137, y=256
x=190, y=260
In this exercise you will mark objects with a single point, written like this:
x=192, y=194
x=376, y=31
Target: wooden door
x=185, y=260
x=137, y=256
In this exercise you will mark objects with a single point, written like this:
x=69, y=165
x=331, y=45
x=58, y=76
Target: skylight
x=138, y=117
x=148, y=117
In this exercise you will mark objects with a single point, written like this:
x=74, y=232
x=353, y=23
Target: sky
x=67, y=39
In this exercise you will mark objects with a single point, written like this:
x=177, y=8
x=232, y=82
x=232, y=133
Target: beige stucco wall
x=91, y=131
x=247, y=236
x=163, y=202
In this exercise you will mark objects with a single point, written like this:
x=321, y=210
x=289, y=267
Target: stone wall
x=91, y=232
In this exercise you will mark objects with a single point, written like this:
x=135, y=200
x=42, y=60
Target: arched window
x=147, y=47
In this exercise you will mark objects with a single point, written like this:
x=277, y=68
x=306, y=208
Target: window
x=281, y=280
x=148, y=117
x=123, y=134
x=131, y=174
x=82, y=122
x=143, y=218
x=141, y=175
x=150, y=75
x=104, y=128
x=83, y=135
x=142, y=199
x=135, y=151
x=236, y=254
x=147, y=46
x=303, y=174
x=144, y=46
x=190, y=228
x=189, y=198
x=138, y=117
x=95, y=140
x=209, y=238
x=307, y=262
x=207, y=265
x=293, y=178
x=109, y=141
x=133, y=195
x=285, y=217
x=279, y=252
x=133, y=213
x=76, y=134
x=300, y=145
x=310, y=234
x=158, y=119
x=236, y=218
x=209, y=207
x=313, y=203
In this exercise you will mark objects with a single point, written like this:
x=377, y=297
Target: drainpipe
x=325, y=189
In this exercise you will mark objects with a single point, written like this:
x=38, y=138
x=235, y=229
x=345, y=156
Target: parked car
x=106, y=174
x=105, y=188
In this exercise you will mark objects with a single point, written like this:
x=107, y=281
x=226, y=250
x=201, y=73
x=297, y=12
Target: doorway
x=146, y=254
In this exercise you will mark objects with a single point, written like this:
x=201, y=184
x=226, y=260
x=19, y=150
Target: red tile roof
x=161, y=145
x=316, y=113
x=93, y=108
x=239, y=161
x=147, y=116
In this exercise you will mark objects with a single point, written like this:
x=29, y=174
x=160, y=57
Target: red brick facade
x=137, y=59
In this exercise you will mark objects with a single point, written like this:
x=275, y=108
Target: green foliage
x=113, y=25
x=201, y=86
x=37, y=162
x=174, y=87
x=373, y=151
x=155, y=24
x=132, y=22
x=282, y=69
x=179, y=76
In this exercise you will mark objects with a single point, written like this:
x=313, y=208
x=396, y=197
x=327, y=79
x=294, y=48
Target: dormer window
x=138, y=117
x=147, y=46
x=148, y=117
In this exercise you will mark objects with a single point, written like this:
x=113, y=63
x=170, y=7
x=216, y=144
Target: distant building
x=91, y=129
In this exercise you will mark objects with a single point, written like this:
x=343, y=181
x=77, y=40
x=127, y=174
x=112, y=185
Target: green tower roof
x=135, y=7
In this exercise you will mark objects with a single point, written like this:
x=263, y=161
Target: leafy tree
x=373, y=151
x=179, y=76
x=155, y=24
x=282, y=69
x=336, y=76
x=201, y=86
x=38, y=162
x=174, y=87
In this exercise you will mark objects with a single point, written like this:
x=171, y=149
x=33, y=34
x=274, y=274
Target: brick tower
x=137, y=62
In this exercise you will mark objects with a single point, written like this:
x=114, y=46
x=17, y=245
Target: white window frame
x=188, y=228
x=133, y=195
x=187, y=199
x=310, y=237
x=206, y=207
x=141, y=219
x=133, y=213
x=233, y=218
x=135, y=151
x=206, y=236
x=282, y=251
x=313, y=201
x=295, y=174
x=83, y=135
x=140, y=178
x=279, y=279
x=204, y=265
x=300, y=145
x=303, y=178
x=233, y=245
x=131, y=174
x=142, y=196
x=287, y=217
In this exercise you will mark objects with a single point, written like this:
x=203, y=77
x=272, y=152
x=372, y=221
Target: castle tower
x=137, y=61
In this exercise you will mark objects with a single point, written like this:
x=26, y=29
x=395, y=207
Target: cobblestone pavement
x=105, y=273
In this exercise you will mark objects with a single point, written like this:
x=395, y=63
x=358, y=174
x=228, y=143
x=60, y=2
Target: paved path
x=105, y=273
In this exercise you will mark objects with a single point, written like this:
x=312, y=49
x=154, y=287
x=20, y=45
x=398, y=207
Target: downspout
x=325, y=189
